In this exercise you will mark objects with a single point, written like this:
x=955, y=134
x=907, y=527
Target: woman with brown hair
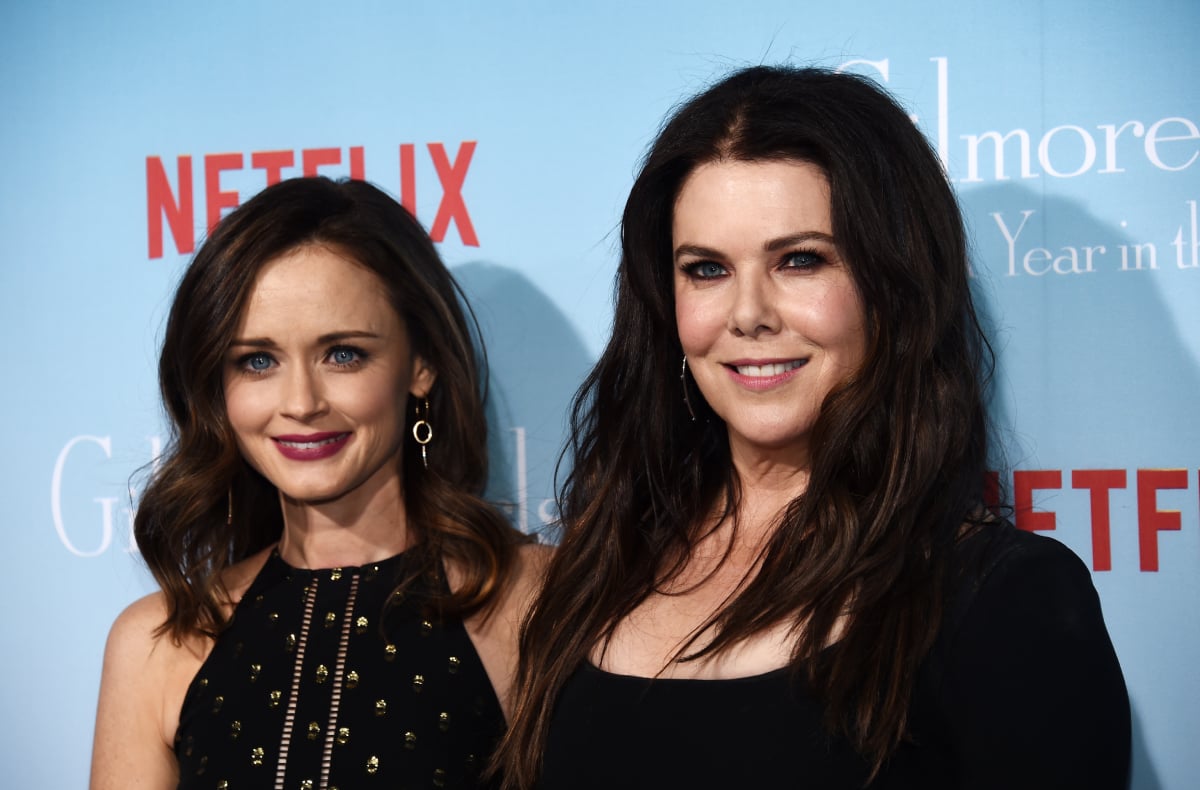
x=338, y=602
x=777, y=568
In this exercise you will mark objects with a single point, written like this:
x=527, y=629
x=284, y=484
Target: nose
x=754, y=311
x=303, y=397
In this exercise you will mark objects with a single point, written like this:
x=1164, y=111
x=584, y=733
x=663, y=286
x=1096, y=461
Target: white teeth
x=310, y=445
x=776, y=369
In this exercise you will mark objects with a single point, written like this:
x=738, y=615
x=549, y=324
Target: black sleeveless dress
x=1022, y=690
x=318, y=683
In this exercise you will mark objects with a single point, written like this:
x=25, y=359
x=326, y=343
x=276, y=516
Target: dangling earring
x=683, y=381
x=423, y=431
x=229, y=510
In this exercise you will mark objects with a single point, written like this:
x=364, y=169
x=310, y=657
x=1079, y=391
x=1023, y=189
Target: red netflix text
x=176, y=208
x=1099, y=484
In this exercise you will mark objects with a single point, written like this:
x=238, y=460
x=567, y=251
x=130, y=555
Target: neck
x=769, y=478
x=358, y=528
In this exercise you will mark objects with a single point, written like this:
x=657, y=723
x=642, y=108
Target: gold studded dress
x=324, y=679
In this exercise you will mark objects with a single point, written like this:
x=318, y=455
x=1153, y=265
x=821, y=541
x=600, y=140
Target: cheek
x=697, y=324
x=845, y=330
x=378, y=401
x=243, y=406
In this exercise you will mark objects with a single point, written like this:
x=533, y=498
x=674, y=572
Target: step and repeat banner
x=1071, y=130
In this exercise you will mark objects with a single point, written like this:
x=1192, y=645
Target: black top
x=312, y=687
x=1021, y=690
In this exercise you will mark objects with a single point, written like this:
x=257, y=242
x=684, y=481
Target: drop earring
x=422, y=431
x=683, y=382
x=229, y=507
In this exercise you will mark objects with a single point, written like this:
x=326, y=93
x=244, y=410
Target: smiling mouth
x=770, y=369
x=311, y=444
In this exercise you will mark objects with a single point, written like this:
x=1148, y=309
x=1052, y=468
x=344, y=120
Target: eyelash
x=243, y=362
x=812, y=260
x=360, y=356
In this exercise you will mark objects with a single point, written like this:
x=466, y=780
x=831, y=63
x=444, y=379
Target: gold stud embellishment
x=351, y=679
x=380, y=707
x=372, y=765
x=410, y=740
x=322, y=673
x=256, y=755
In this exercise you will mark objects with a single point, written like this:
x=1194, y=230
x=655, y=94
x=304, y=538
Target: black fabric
x=311, y=686
x=1021, y=691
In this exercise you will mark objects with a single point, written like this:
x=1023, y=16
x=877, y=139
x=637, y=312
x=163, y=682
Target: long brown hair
x=181, y=525
x=898, y=451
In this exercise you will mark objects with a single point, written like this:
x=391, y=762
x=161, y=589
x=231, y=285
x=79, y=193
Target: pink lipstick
x=313, y=446
x=763, y=374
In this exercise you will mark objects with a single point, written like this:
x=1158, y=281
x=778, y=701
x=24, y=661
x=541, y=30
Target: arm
x=131, y=747
x=495, y=633
x=1033, y=693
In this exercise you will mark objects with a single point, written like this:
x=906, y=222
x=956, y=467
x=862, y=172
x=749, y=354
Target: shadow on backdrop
x=536, y=362
x=1091, y=351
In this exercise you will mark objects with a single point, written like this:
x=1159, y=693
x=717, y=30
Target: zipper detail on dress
x=289, y=721
x=339, y=670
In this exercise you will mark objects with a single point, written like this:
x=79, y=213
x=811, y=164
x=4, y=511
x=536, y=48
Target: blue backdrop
x=1070, y=129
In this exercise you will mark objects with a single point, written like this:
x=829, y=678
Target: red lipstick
x=313, y=446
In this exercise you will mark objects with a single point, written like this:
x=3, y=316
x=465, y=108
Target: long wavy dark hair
x=898, y=452
x=181, y=519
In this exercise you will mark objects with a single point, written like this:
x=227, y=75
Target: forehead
x=315, y=285
x=745, y=195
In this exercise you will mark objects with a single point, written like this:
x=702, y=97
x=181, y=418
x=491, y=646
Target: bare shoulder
x=237, y=578
x=146, y=675
x=529, y=569
x=494, y=631
x=134, y=725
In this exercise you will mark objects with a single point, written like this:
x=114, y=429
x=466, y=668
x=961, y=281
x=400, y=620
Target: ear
x=423, y=376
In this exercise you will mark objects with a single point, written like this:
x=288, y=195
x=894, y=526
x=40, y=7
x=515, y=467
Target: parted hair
x=898, y=452
x=181, y=524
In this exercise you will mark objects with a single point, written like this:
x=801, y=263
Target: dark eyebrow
x=774, y=245
x=350, y=334
x=697, y=251
x=783, y=242
x=253, y=342
x=323, y=340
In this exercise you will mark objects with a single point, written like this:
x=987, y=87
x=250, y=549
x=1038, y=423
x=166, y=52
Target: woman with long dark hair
x=338, y=602
x=777, y=567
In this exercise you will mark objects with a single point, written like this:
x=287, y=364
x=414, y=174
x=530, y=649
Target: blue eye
x=705, y=270
x=257, y=362
x=344, y=355
x=802, y=260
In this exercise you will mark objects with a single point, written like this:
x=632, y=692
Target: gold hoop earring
x=683, y=382
x=422, y=431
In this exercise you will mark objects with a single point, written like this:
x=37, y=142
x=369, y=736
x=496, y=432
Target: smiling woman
x=337, y=600
x=777, y=568
x=768, y=316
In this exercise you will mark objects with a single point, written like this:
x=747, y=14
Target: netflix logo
x=1098, y=486
x=173, y=210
